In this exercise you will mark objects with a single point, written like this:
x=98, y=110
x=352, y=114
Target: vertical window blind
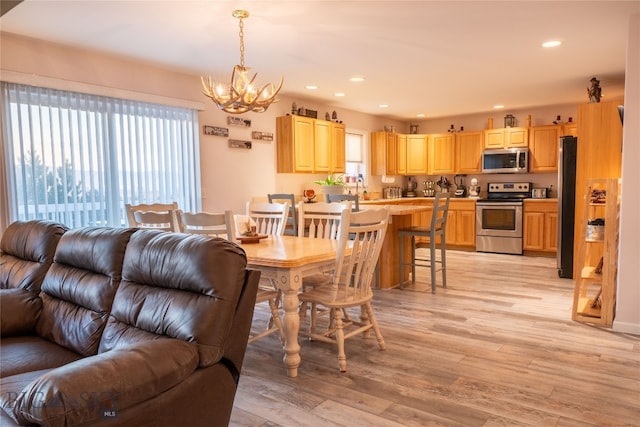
x=78, y=158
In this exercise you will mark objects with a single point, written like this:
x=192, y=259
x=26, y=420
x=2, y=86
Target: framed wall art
x=238, y=121
x=215, y=131
x=237, y=143
x=262, y=136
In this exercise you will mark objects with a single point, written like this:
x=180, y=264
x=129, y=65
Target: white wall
x=628, y=296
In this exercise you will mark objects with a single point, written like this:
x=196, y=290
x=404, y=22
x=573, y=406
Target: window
x=355, y=160
x=77, y=158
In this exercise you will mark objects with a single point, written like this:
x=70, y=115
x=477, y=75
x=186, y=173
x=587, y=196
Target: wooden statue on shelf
x=594, y=91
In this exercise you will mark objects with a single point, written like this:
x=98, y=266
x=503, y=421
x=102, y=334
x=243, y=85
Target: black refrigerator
x=566, y=203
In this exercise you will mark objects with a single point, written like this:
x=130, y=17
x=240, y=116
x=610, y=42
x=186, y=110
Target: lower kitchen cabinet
x=540, y=225
x=461, y=223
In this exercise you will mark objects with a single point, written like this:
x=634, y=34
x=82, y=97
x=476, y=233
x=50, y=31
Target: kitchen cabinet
x=442, y=153
x=401, y=147
x=595, y=284
x=295, y=137
x=461, y=223
x=306, y=145
x=514, y=137
x=384, y=153
x=543, y=146
x=338, y=157
x=468, y=157
x=416, y=154
x=540, y=219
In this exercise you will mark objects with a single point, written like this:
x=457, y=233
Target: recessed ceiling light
x=311, y=87
x=356, y=79
x=497, y=107
x=552, y=43
x=383, y=105
x=339, y=94
x=420, y=115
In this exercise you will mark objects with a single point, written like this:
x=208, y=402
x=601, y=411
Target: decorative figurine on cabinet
x=594, y=91
x=327, y=117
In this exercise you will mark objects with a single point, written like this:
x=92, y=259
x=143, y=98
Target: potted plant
x=333, y=184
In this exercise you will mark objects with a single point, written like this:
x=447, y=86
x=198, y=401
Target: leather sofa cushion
x=31, y=353
x=177, y=285
x=19, y=310
x=78, y=290
x=26, y=251
x=83, y=391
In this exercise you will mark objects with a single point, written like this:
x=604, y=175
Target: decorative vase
x=331, y=189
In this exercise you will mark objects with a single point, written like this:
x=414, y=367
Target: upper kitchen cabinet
x=401, y=147
x=417, y=149
x=442, y=153
x=306, y=145
x=384, y=153
x=513, y=137
x=543, y=145
x=338, y=157
x=469, y=146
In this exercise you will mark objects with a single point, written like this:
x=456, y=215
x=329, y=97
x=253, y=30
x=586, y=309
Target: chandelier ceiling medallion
x=241, y=95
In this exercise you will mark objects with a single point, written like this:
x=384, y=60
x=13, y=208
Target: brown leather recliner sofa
x=130, y=327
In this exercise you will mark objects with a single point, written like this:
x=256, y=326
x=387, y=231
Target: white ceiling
x=439, y=58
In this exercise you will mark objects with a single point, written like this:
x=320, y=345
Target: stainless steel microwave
x=510, y=160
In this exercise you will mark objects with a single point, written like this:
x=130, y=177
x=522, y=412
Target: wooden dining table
x=286, y=260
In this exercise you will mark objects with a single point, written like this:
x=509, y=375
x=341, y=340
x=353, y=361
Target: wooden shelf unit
x=595, y=287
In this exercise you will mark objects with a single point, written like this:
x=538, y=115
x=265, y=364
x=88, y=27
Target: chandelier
x=241, y=94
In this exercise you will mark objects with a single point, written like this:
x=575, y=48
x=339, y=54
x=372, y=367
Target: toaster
x=539, y=193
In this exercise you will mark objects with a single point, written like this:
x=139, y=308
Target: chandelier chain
x=241, y=43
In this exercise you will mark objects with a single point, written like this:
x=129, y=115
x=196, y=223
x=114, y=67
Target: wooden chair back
x=156, y=220
x=292, y=220
x=320, y=220
x=152, y=207
x=215, y=224
x=353, y=198
x=354, y=273
x=270, y=218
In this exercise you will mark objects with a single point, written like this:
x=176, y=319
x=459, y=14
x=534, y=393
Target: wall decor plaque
x=262, y=136
x=238, y=121
x=215, y=131
x=237, y=143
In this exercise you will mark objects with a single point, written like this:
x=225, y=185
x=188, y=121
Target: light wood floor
x=496, y=348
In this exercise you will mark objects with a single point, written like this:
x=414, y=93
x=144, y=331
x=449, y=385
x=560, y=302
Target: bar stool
x=437, y=228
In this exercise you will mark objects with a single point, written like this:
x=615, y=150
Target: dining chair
x=350, y=284
x=269, y=218
x=157, y=220
x=152, y=207
x=437, y=228
x=320, y=220
x=214, y=224
x=292, y=221
x=353, y=198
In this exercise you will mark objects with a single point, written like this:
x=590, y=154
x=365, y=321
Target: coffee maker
x=461, y=190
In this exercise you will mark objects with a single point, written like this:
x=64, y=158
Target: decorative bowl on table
x=252, y=239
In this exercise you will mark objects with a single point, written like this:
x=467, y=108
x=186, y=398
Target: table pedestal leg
x=289, y=283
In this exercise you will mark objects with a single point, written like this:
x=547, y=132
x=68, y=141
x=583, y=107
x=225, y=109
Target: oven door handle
x=490, y=204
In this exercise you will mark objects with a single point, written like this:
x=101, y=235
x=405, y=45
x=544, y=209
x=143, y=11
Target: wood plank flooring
x=497, y=347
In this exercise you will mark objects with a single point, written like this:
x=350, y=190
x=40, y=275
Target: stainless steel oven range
x=499, y=217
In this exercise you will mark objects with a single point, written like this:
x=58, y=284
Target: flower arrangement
x=332, y=179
